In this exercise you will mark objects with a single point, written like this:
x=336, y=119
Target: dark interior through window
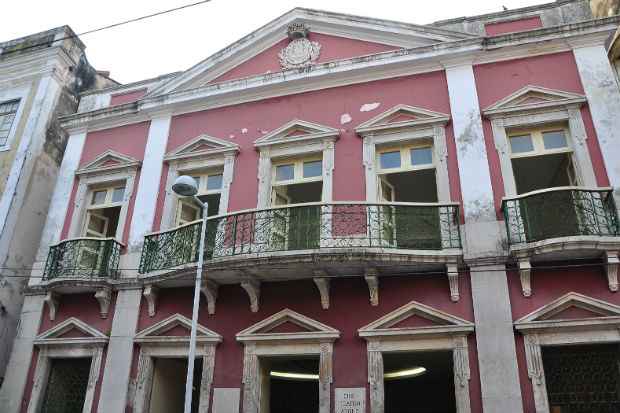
x=289, y=394
x=168, y=390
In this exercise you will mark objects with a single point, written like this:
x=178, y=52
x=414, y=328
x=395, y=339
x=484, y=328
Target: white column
x=119, y=357
x=497, y=360
x=12, y=390
x=150, y=177
x=59, y=204
x=599, y=83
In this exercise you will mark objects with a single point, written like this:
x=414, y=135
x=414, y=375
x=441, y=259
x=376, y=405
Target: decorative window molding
x=314, y=338
x=546, y=327
x=105, y=170
x=53, y=344
x=154, y=342
x=405, y=125
x=533, y=106
x=293, y=139
x=449, y=333
x=199, y=154
x=18, y=94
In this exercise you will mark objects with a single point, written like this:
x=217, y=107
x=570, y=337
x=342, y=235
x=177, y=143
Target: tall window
x=209, y=190
x=541, y=158
x=7, y=116
x=103, y=211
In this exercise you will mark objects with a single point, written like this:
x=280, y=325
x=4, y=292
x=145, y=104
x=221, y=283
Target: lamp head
x=185, y=186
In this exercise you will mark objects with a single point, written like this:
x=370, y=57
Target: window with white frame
x=542, y=157
x=209, y=190
x=103, y=210
x=8, y=110
x=296, y=181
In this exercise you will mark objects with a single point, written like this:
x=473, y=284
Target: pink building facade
x=400, y=218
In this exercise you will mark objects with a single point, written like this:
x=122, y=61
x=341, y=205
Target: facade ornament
x=322, y=283
x=525, y=273
x=252, y=287
x=104, y=297
x=150, y=293
x=209, y=289
x=534, y=359
x=52, y=300
x=612, y=270
x=300, y=52
x=453, y=279
x=461, y=361
x=373, y=285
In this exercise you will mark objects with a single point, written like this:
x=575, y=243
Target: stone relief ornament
x=300, y=52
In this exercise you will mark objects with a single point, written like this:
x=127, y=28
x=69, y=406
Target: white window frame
x=21, y=94
x=538, y=331
x=107, y=203
x=405, y=158
x=203, y=177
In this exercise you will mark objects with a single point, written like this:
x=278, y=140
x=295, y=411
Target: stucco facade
x=380, y=194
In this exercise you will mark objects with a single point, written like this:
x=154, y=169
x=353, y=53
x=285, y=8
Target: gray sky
x=178, y=40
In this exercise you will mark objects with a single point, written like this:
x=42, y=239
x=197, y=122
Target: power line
x=109, y=26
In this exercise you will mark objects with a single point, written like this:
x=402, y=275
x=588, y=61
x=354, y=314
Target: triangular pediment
x=377, y=31
x=533, y=97
x=399, y=117
x=175, y=328
x=416, y=318
x=108, y=161
x=572, y=306
x=296, y=131
x=202, y=146
x=288, y=325
x=71, y=330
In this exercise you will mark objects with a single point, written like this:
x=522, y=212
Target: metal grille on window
x=583, y=379
x=7, y=116
x=66, y=387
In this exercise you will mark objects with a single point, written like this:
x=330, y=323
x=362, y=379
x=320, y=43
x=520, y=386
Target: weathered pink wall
x=530, y=23
x=127, y=97
x=350, y=361
x=332, y=48
x=326, y=107
x=548, y=285
x=127, y=140
x=495, y=81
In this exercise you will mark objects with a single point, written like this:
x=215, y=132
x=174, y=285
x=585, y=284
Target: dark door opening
x=583, y=378
x=168, y=390
x=419, y=382
x=66, y=386
x=289, y=385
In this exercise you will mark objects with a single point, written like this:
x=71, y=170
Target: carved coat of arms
x=300, y=52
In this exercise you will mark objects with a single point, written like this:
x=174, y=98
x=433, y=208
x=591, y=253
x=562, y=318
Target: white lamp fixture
x=293, y=376
x=185, y=186
x=402, y=374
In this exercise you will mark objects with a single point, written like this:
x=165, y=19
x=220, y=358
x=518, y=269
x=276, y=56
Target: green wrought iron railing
x=560, y=212
x=403, y=226
x=83, y=258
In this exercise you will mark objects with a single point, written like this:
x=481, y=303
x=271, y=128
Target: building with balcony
x=41, y=76
x=400, y=217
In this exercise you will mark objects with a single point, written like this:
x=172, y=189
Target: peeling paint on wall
x=369, y=106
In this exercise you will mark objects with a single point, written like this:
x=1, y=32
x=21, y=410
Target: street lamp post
x=187, y=186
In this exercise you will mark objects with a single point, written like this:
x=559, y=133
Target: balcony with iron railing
x=562, y=222
x=293, y=241
x=83, y=259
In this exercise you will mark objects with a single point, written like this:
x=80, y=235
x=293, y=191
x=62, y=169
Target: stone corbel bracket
x=104, y=297
x=372, y=279
x=453, y=278
x=210, y=289
x=525, y=274
x=53, y=301
x=252, y=287
x=612, y=270
x=150, y=294
x=322, y=283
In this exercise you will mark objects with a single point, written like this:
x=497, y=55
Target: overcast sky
x=178, y=40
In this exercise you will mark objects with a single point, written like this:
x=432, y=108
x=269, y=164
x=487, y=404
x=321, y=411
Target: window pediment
x=72, y=330
x=176, y=328
x=202, y=146
x=297, y=131
x=571, y=310
x=109, y=161
x=531, y=98
x=270, y=329
x=401, y=117
x=395, y=323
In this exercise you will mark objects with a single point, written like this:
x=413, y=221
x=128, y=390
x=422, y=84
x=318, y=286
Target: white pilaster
x=12, y=390
x=603, y=95
x=115, y=381
x=148, y=188
x=483, y=242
